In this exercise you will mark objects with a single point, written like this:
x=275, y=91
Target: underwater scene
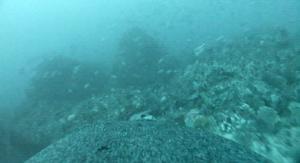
x=212, y=81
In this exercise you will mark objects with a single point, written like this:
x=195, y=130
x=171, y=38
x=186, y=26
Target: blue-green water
x=230, y=68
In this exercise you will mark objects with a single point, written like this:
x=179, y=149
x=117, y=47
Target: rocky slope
x=246, y=89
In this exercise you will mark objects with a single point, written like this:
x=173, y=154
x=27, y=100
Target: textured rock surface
x=143, y=141
x=246, y=89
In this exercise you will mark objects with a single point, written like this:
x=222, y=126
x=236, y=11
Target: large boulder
x=141, y=60
x=62, y=79
x=143, y=141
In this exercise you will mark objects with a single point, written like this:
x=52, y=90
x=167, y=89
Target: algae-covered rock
x=142, y=141
x=268, y=116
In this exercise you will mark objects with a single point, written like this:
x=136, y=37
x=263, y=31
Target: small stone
x=169, y=71
x=294, y=108
x=198, y=50
x=86, y=86
x=71, y=117
x=267, y=115
x=76, y=69
x=160, y=60
x=160, y=71
x=163, y=99
x=204, y=122
x=142, y=116
x=194, y=96
x=194, y=119
x=95, y=109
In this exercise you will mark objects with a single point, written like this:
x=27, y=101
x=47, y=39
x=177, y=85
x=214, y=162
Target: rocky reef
x=246, y=89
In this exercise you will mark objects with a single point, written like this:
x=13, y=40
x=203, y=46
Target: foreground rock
x=143, y=141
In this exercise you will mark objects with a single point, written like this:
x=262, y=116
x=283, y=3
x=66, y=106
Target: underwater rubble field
x=245, y=89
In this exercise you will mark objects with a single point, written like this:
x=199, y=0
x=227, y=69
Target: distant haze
x=31, y=30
